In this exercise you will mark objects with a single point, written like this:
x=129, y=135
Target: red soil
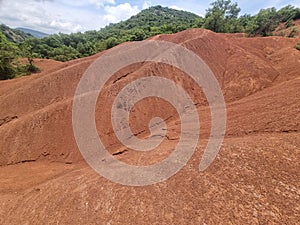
x=292, y=31
x=255, y=178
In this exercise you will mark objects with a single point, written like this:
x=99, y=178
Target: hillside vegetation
x=149, y=22
x=222, y=16
x=10, y=66
x=14, y=35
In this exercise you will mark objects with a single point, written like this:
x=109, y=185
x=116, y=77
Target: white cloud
x=120, y=12
x=40, y=15
x=65, y=25
x=146, y=5
x=102, y=3
x=176, y=7
x=66, y=16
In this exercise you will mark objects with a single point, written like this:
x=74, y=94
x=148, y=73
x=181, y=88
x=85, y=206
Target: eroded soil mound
x=255, y=177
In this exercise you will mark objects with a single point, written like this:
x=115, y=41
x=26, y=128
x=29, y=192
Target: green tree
x=266, y=21
x=138, y=35
x=220, y=17
x=85, y=48
x=287, y=13
x=53, y=41
x=111, y=42
x=27, y=52
x=199, y=22
x=8, y=56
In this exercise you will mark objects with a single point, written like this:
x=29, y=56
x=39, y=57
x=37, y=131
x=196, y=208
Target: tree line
x=223, y=17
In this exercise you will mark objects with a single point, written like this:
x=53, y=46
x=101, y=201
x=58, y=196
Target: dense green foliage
x=152, y=21
x=149, y=22
x=265, y=22
x=222, y=16
x=9, y=54
x=297, y=46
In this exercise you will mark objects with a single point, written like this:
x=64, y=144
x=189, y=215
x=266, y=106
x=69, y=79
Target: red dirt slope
x=255, y=178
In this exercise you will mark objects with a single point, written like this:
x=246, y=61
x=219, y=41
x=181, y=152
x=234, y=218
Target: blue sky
x=53, y=16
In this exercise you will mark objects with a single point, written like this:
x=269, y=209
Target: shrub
x=9, y=65
x=297, y=46
x=293, y=33
x=24, y=70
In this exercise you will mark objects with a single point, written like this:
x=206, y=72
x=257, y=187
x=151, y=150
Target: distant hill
x=149, y=22
x=14, y=35
x=156, y=16
x=34, y=33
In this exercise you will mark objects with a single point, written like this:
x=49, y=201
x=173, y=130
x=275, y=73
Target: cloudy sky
x=66, y=16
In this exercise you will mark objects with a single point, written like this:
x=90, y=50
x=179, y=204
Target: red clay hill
x=254, y=179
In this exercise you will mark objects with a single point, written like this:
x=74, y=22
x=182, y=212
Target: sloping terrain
x=14, y=35
x=291, y=31
x=254, y=180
